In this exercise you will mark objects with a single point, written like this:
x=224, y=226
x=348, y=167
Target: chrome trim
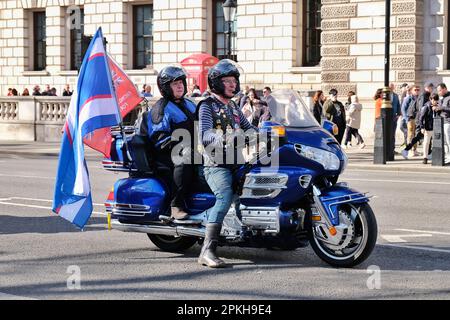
x=254, y=181
x=116, y=166
x=305, y=180
x=129, y=210
x=266, y=219
x=176, y=231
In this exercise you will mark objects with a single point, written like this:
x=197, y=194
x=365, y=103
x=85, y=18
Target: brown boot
x=208, y=255
x=178, y=213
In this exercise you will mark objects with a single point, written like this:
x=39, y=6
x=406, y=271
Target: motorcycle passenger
x=219, y=114
x=170, y=113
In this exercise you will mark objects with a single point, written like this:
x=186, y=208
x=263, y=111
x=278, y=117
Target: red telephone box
x=197, y=66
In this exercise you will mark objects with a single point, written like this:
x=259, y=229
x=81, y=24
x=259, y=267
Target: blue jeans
x=220, y=181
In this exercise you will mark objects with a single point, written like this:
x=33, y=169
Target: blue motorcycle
x=285, y=206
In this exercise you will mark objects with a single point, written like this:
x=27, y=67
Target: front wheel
x=172, y=244
x=355, y=239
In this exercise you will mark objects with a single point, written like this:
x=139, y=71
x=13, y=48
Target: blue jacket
x=405, y=105
x=396, y=108
x=164, y=117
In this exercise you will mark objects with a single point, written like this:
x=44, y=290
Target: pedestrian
x=9, y=94
x=47, y=91
x=405, y=92
x=14, y=92
x=253, y=108
x=52, y=92
x=148, y=91
x=378, y=97
x=67, y=92
x=318, y=101
x=444, y=111
x=354, y=122
x=244, y=97
x=270, y=100
x=396, y=113
x=196, y=92
x=423, y=124
x=37, y=91
x=410, y=102
x=25, y=92
x=335, y=112
x=143, y=88
x=426, y=124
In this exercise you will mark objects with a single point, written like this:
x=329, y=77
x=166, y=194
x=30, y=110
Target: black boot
x=208, y=254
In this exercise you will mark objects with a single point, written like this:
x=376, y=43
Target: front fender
x=339, y=194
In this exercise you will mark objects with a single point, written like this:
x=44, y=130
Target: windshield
x=289, y=109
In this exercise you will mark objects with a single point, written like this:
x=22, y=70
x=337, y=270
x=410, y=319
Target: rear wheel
x=355, y=240
x=172, y=244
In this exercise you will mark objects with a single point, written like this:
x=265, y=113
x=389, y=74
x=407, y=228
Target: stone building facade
x=269, y=42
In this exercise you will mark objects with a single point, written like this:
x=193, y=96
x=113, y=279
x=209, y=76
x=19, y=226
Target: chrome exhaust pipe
x=176, y=231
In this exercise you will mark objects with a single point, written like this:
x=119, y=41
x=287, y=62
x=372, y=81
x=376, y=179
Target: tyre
x=355, y=240
x=172, y=244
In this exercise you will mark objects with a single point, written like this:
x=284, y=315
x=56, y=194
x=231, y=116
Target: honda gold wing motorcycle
x=293, y=204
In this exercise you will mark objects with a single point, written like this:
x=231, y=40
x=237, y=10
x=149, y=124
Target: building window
x=220, y=28
x=77, y=49
x=39, y=41
x=143, y=36
x=311, y=32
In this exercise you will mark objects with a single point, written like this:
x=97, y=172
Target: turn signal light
x=333, y=231
x=279, y=131
x=335, y=130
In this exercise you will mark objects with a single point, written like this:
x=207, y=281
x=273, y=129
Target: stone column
x=407, y=37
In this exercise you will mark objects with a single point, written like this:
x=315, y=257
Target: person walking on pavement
x=354, y=122
x=414, y=123
x=219, y=114
x=404, y=93
x=444, y=111
x=335, y=112
x=426, y=123
x=410, y=102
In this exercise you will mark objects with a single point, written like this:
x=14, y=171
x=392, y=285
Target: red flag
x=127, y=98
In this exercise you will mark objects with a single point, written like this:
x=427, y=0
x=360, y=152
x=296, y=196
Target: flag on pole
x=93, y=106
x=127, y=98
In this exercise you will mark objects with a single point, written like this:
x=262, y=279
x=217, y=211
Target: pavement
x=358, y=158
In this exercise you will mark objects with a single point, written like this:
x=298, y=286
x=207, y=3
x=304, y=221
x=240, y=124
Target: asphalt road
x=41, y=253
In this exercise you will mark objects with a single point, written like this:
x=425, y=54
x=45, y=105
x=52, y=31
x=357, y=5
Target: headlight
x=327, y=159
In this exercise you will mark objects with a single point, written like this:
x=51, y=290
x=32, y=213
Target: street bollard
x=438, y=152
x=379, y=151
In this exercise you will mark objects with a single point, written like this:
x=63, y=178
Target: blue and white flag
x=93, y=106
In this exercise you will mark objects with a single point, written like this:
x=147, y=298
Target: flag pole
x=122, y=131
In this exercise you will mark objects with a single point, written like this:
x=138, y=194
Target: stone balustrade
x=42, y=118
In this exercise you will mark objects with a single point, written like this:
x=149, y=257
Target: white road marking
x=397, y=238
x=40, y=207
x=423, y=231
x=399, y=172
x=5, y=296
x=46, y=200
x=25, y=177
x=400, y=181
x=415, y=248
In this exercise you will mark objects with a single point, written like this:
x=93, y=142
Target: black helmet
x=223, y=68
x=168, y=75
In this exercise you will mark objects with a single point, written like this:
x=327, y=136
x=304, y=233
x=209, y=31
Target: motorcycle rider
x=217, y=114
x=170, y=113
